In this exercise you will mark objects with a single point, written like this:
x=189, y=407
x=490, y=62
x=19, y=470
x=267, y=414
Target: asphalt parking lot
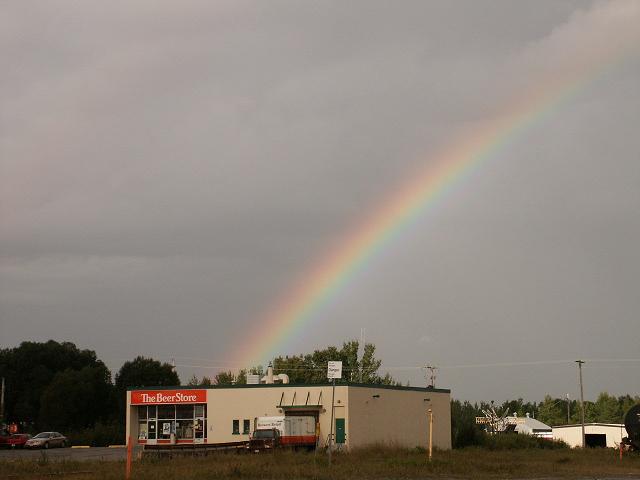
x=57, y=454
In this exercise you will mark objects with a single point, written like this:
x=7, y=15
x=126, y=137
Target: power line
x=418, y=367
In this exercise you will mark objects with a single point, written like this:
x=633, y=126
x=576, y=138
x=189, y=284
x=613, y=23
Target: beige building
x=596, y=434
x=363, y=414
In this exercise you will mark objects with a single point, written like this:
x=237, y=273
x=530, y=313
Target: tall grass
x=376, y=462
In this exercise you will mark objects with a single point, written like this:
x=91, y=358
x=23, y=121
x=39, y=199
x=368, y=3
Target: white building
x=596, y=434
x=531, y=426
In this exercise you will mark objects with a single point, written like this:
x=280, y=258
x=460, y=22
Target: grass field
x=377, y=463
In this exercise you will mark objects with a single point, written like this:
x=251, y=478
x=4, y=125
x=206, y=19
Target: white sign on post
x=334, y=370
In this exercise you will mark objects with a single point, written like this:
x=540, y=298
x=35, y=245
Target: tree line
x=57, y=386
x=312, y=367
x=551, y=411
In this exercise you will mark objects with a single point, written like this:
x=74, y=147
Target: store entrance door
x=152, y=435
x=199, y=425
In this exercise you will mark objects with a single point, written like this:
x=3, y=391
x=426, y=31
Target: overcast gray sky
x=169, y=169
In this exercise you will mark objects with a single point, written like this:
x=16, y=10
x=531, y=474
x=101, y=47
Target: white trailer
x=294, y=430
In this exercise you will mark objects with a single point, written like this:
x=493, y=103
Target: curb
x=116, y=446
x=80, y=446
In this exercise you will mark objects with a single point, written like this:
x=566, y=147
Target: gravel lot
x=54, y=454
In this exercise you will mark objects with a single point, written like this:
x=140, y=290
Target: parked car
x=47, y=440
x=17, y=440
x=4, y=437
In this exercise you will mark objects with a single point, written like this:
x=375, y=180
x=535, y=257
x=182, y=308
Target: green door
x=340, y=433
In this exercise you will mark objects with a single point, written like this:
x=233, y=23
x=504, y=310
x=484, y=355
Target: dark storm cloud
x=168, y=169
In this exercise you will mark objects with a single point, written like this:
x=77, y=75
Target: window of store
x=187, y=422
x=184, y=422
x=236, y=427
x=166, y=418
x=246, y=426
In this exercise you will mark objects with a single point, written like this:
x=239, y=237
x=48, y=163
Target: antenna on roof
x=431, y=376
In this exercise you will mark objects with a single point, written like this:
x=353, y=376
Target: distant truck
x=283, y=432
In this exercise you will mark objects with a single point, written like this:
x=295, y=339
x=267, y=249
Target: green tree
x=607, y=409
x=312, y=367
x=29, y=369
x=553, y=411
x=464, y=431
x=195, y=382
x=146, y=372
x=520, y=407
x=77, y=399
x=224, y=378
x=143, y=372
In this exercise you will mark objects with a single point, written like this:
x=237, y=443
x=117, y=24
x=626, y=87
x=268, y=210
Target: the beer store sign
x=155, y=397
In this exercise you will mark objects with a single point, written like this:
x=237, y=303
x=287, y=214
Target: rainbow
x=404, y=207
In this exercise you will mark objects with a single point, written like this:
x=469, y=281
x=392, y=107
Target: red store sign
x=155, y=397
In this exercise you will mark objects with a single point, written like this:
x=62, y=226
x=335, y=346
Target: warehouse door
x=595, y=440
x=340, y=433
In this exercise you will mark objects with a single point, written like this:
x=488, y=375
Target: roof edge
x=291, y=385
x=598, y=424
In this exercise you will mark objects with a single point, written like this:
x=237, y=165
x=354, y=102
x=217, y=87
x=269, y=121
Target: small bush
x=102, y=435
x=514, y=441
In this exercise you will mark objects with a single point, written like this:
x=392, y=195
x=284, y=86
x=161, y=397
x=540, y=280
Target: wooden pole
x=430, y=434
x=129, y=455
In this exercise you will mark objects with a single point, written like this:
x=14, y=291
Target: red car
x=13, y=440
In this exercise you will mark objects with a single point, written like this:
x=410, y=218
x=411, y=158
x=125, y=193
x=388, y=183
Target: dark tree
x=146, y=372
x=30, y=368
x=224, y=378
x=143, y=372
x=77, y=399
x=464, y=431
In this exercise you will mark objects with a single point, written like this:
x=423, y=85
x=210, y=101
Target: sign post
x=334, y=370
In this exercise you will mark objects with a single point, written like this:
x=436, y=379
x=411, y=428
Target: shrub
x=514, y=441
x=102, y=435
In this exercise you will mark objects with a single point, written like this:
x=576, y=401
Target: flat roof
x=592, y=424
x=294, y=385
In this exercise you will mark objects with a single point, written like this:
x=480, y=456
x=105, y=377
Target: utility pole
x=568, y=410
x=2, y=403
x=580, y=362
x=362, y=340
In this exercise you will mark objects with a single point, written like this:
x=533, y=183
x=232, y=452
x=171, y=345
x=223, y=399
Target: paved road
x=53, y=454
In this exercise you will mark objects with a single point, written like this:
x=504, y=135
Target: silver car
x=47, y=440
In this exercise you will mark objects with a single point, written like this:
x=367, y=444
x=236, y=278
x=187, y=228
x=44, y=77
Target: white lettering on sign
x=168, y=396
x=334, y=370
x=160, y=398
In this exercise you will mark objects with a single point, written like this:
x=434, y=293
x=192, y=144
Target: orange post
x=620, y=450
x=129, y=455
